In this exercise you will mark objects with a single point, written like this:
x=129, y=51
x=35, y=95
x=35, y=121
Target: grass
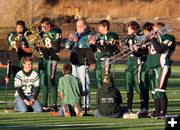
x=28, y=121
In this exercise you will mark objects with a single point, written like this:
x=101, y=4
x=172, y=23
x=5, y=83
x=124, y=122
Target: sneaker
x=130, y=116
x=54, y=107
x=66, y=110
x=126, y=116
x=161, y=116
x=46, y=108
x=78, y=111
x=133, y=116
x=142, y=113
x=153, y=115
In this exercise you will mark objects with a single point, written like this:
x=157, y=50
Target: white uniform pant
x=79, y=72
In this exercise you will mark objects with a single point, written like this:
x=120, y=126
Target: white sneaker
x=134, y=116
x=126, y=116
x=130, y=116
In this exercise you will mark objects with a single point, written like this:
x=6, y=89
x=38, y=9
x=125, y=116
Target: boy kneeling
x=70, y=91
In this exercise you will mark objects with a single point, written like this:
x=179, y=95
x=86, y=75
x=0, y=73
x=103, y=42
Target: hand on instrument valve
x=73, y=38
x=15, y=45
x=134, y=48
x=92, y=40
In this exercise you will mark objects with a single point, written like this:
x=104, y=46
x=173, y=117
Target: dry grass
x=11, y=10
x=126, y=9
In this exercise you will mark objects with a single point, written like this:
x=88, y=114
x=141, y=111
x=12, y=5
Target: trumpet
x=95, y=36
x=72, y=38
x=142, y=41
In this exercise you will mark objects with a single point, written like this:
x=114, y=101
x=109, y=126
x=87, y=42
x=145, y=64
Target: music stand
x=85, y=56
x=12, y=56
x=8, y=58
x=50, y=54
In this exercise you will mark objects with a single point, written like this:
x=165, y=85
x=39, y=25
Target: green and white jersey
x=160, y=53
x=52, y=39
x=134, y=58
x=153, y=58
x=27, y=82
x=106, y=45
x=169, y=42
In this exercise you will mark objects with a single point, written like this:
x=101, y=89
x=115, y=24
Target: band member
x=135, y=73
x=80, y=40
x=106, y=47
x=26, y=83
x=48, y=65
x=159, y=63
x=17, y=41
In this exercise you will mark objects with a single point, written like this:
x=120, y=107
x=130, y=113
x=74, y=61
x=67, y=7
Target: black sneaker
x=153, y=115
x=142, y=113
x=161, y=116
x=53, y=107
x=46, y=108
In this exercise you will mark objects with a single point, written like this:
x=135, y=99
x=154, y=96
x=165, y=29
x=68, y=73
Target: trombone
x=142, y=41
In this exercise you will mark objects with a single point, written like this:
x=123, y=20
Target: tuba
x=35, y=41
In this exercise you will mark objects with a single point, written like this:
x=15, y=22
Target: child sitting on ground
x=109, y=100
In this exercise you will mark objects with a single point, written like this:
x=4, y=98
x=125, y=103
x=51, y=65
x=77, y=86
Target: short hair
x=46, y=20
x=105, y=23
x=109, y=81
x=159, y=24
x=134, y=25
x=26, y=58
x=67, y=69
x=21, y=23
x=148, y=26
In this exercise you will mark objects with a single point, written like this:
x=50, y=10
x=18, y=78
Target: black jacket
x=108, y=100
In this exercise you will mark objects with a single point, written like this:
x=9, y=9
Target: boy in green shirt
x=70, y=91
